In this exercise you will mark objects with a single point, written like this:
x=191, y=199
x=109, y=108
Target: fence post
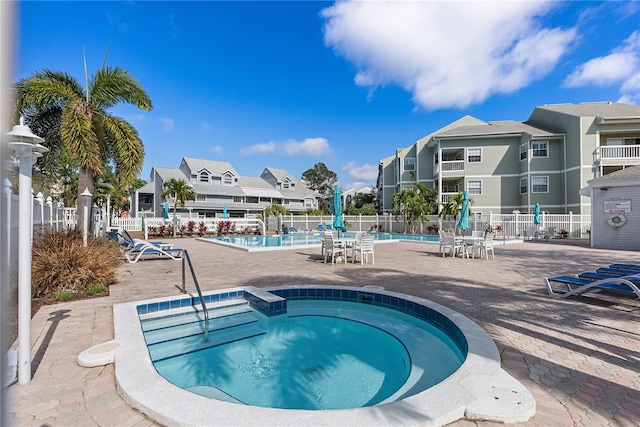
x=50, y=206
x=570, y=223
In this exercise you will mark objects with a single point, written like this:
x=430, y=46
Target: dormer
x=286, y=184
x=229, y=178
x=203, y=176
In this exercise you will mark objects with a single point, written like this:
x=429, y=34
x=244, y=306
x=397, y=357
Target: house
x=220, y=187
x=512, y=165
x=615, y=209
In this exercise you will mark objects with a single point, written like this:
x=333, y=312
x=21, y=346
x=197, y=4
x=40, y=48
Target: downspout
x=566, y=189
x=529, y=187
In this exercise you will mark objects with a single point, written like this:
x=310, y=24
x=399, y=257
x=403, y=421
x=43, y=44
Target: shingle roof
x=214, y=166
x=495, y=128
x=597, y=109
x=631, y=173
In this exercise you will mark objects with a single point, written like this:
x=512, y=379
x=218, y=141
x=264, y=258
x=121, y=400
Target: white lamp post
x=86, y=197
x=25, y=144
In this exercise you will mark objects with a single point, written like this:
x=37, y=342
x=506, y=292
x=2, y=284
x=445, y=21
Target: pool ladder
x=187, y=259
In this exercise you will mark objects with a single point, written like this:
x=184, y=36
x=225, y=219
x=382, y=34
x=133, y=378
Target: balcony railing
x=450, y=166
x=616, y=152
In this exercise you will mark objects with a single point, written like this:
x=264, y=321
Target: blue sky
x=291, y=83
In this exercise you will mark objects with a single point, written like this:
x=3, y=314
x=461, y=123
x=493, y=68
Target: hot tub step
x=169, y=349
x=186, y=315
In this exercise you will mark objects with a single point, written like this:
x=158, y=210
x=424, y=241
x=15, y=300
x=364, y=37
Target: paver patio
x=579, y=357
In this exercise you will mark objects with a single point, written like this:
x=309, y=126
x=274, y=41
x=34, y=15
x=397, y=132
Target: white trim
x=466, y=157
x=546, y=143
x=467, y=187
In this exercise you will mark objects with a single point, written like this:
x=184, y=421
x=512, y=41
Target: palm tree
x=90, y=133
x=452, y=207
x=414, y=204
x=179, y=191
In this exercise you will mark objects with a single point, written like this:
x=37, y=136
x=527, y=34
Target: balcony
x=617, y=155
x=450, y=168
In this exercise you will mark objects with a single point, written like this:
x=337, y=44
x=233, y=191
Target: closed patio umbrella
x=224, y=212
x=463, y=222
x=337, y=210
x=536, y=214
x=165, y=210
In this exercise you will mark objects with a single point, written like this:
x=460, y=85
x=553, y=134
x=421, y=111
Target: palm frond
x=46, y=88
x=78, y=135
x=126, y=148
x=110, y=86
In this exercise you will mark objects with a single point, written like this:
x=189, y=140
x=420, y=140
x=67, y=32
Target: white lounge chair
x=580, y=285
x=147, y=249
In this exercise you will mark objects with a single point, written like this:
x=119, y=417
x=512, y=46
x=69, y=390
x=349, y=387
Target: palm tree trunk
x=85, y=181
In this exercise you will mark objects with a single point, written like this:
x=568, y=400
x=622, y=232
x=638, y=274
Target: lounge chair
x=146, y=249
x=293, y=230
x=632, y=267
x=580, y=285
x=328, y=227
x=320, y=227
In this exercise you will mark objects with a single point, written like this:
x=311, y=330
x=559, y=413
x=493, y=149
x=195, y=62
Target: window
x=204, y=176
x=539, y=184
x=286, y=184
x=409, y=163
x=201, y=198
x=539, y=149
x=523, y=185
x=474, y=186
x=524, y=148
x=237, y=199
x=227, y=179
x=474, y=155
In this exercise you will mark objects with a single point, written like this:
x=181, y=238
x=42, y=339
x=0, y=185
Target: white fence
x=512, y=225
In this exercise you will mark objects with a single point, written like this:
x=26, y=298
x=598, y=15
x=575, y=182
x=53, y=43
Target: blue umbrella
x=337, y=210
x=536, y=214
x=165, y=206
x=224, y=212
x=463, y=222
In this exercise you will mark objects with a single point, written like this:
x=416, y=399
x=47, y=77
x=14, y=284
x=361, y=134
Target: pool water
x=317, y=357
x=289, y=240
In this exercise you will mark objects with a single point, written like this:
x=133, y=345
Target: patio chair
x=530, y=233
x=331, y=249
x=452, y=245
x=487, y=245
x=146, y=249
x=580, y=285
x=364, y=246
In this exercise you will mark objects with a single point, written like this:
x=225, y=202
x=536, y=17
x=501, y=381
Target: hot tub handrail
x=187, y=258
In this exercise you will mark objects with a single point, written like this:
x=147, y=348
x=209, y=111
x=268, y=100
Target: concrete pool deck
x=578, y=357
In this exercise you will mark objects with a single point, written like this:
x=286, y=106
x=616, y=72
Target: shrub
x=191, y=225
x=202, y=229
x=61, y=263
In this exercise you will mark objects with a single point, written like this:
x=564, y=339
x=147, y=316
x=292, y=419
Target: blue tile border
x=274, y=302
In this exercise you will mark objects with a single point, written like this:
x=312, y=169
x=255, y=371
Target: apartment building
x=220, y=187
x=512, y=165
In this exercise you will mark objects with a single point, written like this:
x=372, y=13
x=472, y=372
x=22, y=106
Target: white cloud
x=313, y=147
x=365, y=172
x=448, y=54
x=166, y=124
x=621, y=66
x=215, y=149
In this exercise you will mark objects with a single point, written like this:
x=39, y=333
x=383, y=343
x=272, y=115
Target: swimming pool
x=289, y=241
x=479, y=388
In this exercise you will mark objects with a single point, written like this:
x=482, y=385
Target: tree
x=179, y=191
x=320, y=179
x=362, y=204
x=274, y=209
x=414, y=204
x=92, y=136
